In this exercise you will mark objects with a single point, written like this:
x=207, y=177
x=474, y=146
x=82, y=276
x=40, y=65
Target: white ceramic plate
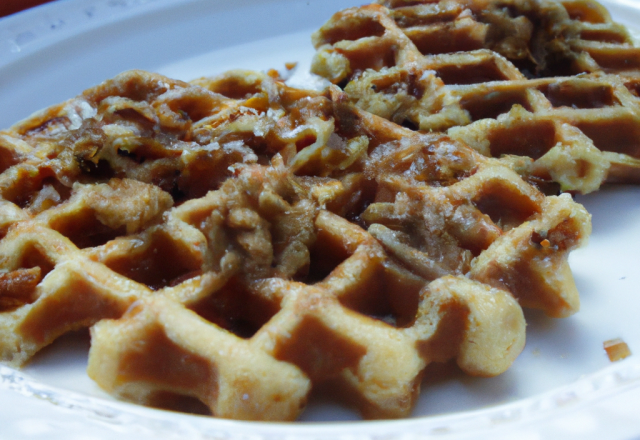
x=562, y=385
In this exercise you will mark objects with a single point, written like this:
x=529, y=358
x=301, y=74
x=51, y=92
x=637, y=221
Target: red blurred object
x=8, y=7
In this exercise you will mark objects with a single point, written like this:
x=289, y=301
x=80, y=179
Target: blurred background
x=8, y=7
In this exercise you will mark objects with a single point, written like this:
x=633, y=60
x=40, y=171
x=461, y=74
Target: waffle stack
x=551, y=85
x=234, y=243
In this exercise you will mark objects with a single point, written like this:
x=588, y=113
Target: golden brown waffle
x=237, y=243
x=552, y=82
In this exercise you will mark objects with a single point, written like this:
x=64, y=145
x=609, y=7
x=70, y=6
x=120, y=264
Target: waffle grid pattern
x=550, y=84
x=234, y=244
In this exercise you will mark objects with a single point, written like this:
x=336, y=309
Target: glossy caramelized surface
x=552, y=83
x=234, y=242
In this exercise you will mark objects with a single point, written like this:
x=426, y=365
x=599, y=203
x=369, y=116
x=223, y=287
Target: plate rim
x=617, y=378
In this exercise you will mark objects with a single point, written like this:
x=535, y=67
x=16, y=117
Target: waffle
x=235, y=244
x=550, y=84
